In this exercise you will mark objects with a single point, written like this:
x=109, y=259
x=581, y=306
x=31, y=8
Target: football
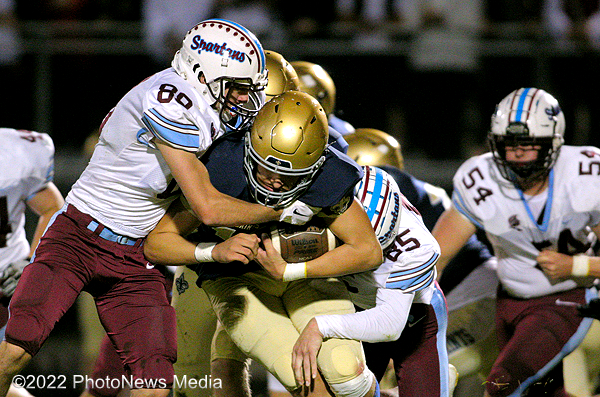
x=303, y=243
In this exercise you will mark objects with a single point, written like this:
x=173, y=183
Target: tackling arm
x=382, y=323
x=212, y=207
x=452, y=231
x=166, y=245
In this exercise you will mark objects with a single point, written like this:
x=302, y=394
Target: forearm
x=382, y=323
x=44, y=204
x=169, y=249
x=345, y=259
x=222, y=210
x=43, y=221
x=212, y=207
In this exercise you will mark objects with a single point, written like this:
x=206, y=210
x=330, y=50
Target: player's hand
x=304, y=354
x=10, y=277
x=240, y=247
x=270, y=259
x=554, y=264
x=591, y=309
x=298, y=213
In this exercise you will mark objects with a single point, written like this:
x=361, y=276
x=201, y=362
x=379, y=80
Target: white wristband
x=581, y=265
x=294, y=271
x=203, y=252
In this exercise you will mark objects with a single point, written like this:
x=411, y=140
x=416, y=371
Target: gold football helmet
x=282, y=76
x=368, y=146
x=288, y=137
x=314, y=80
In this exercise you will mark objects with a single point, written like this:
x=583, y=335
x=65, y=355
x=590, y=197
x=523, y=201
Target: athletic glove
x=298, y=213
x=591, y=309
x=10, y=277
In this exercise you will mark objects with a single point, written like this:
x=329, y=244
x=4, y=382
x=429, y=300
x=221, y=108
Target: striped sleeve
x=414, y=276
x=180, y=135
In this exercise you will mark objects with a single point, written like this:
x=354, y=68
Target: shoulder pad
x=334, y=181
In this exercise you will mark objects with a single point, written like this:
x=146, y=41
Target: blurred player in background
x=279, y=167
x=470, y=322
x=315, y=81
x=400, y=300
x=536, y=200
x=148, y=149
x=27, y=163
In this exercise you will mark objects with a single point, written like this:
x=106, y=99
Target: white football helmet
x=288, y=137
x=226, y=54
x=527, y=116
x=381, y=198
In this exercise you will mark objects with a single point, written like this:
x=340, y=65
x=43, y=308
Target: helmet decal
x=254, y=47
x=216, y=55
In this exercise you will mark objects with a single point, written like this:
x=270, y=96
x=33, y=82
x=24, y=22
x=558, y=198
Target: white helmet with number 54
x=227, y=55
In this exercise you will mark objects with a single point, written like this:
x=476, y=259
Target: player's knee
x=342, y=364
x=362, y=385
x=340, y=360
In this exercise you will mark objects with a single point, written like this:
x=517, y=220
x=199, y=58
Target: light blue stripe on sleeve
x=404, y=285
x=175, y=137
x=424, y=266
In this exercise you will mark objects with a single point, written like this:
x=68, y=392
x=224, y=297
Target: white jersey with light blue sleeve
x=27, y=163
x=386, y=294
x=519, y=227
x=126, y=186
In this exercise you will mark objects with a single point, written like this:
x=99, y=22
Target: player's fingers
x=313, y=364
x=267, y=242
x=297, y=366
x=307, y=369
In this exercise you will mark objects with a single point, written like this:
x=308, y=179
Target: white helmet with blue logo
x=380, y=196
x=226, y=54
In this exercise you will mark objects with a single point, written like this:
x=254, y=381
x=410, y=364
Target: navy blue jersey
x=473, y=254
x=332, y=190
